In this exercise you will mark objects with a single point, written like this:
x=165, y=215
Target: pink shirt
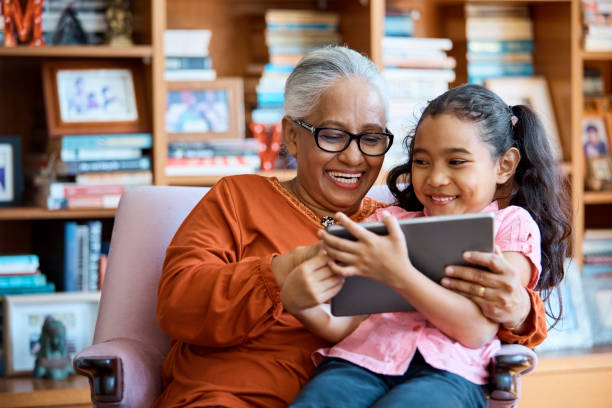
x=386, y=342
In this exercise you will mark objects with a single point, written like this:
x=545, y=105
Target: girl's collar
x=489, y=208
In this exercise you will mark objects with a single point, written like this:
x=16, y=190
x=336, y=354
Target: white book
x=190, y=75
x=186, y=43
x=417, y=43
x=395, y=74
x=100, y=154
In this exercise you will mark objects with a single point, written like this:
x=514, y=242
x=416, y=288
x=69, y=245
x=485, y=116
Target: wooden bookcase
x=237, y=41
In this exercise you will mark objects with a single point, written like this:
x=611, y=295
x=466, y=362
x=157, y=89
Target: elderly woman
x=248, y=251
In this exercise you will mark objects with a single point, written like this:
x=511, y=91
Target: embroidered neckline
x=368, y=206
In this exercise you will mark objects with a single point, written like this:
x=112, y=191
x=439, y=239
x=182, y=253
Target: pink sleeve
x=516, y=231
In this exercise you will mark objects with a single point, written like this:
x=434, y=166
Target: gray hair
x=319, y=70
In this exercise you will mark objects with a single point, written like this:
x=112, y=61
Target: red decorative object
x=31, y=20
x=271, y=137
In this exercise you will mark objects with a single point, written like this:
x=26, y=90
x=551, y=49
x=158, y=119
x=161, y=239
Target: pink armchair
x=124, y=363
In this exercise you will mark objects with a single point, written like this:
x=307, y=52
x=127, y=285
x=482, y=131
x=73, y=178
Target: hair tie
x=513, y=118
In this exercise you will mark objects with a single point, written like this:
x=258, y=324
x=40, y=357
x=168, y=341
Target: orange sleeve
x=535, y=325
x=209, y=293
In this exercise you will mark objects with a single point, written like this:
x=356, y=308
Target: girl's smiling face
x=453, y=171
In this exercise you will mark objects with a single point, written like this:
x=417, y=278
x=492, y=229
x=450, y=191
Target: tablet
x=433, y=243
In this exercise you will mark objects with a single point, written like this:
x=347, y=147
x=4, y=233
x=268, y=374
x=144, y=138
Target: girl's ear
x=290, y=135
x=508, y=163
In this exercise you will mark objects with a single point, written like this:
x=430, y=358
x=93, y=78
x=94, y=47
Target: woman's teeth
x=347, y=178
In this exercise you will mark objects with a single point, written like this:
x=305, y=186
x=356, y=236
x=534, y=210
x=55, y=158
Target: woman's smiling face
x=453, y=171
x=330, y=182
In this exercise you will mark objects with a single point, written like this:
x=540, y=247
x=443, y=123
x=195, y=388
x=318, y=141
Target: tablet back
x=433, y=243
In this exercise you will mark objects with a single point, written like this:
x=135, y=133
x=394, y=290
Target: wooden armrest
x=105, y=376
x=505, y=373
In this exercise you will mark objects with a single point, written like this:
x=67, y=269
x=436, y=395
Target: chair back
x=145, y=222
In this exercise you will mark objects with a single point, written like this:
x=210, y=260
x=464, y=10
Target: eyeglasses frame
x=315, y=133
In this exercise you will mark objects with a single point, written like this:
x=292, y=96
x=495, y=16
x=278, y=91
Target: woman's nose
x=351, y=155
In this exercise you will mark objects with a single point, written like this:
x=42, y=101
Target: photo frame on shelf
x=204, y=110
x=24, y=316
x=11, y=171
x=574, y=328
x=533, y=92
x=106, y=96
x=598, y=293
x=595, y=138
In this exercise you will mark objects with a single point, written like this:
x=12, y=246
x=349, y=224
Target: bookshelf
x=238, y=41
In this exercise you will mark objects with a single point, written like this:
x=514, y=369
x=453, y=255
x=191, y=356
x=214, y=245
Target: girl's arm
x=385, y=259
x=321, y=322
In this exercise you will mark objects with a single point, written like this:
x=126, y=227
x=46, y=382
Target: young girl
x=470, y=153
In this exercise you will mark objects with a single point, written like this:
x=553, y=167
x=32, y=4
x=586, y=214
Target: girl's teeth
x=443, y=199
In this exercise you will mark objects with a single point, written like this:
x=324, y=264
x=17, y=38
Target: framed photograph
x=595, y=140
x=598, y=292
x=24, y=316
x=574, y=328
x=533, y=92
x=11, y=174
x=105, y=96
x=599, y=173
x=205, y=110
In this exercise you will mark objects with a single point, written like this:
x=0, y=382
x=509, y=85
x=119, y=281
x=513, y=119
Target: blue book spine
x=273, y=68
x=48, y=287
x=135, y=140
x=399, y=26
x=270, y=98
x=19, y=263
x=76, y=167
x=71, y=267
x=596, y=269
x=499, y=46
x=499, y=69
x=178, y=63
x=20, y=281
x=95, y=249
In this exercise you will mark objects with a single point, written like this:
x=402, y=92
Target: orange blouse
x=232, y=342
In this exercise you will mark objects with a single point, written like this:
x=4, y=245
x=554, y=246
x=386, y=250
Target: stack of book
x=71, y=253
x=416, y=70
x=20, y=274
x=187, y=56
x=597, y=251
x=89, y=13
x=289, y=34
x=213, y=157
x=499, y=41
x=597, y=19
x=92, y=171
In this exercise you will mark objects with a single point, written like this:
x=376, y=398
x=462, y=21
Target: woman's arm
x=321, y=322
x=519, y=310
x=385, y=259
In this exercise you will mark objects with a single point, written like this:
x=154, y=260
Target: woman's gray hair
x=319, y=70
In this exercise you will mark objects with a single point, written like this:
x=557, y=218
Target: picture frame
x=598, y=293
x=599, y=173
x=533, y=92
x=24, y=316
x=595, y=136
x=88, y=97
x=11, y=171
x=205, y=110
x=573, y=329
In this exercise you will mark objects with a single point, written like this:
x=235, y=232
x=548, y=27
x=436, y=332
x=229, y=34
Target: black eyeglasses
x=334, y=140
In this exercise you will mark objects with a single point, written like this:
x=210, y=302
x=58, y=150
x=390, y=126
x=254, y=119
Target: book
x=128, y=140
x=69, y=168
x=27, y=263
x=19, y=281
x=399, y=74
x=499, y=46
x=186, y=43
x=93, y=201
x=125, y=178
x=417, y=43
x=48, y=287
x=501, y=28
x=222, y=165
x=178, y=63
x=55, y=242
x=95, y=250
x=99, y=153
x=280, y=16
x=82, y=257
x=190, y=75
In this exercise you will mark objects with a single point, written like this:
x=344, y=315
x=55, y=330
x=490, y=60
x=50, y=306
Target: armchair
x=124, y=363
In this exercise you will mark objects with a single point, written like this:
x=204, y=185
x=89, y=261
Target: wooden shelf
x=29, y=392
x=38, y=213
x=596, y=56
x=282, y=175
x=81, y=51
x=598, y=197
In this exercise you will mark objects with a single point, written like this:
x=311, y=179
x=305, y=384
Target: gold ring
x=481, y=291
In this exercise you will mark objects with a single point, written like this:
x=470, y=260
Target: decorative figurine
x=31, y=20
x=53, y=360
x=270, y=137
x=119, y=20
x=69, y=30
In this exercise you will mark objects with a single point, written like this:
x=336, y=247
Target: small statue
x=52, y=360
x=119, y=20
x=69, y=30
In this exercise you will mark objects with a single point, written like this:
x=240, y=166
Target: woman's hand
x=380, y=257
x=499, y=290
x=307, y=280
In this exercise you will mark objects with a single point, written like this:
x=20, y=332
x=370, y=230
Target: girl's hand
x=310, y=282
x=498, y=291
x=380, y=257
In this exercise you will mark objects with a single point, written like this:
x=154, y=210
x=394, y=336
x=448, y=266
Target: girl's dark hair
x=539, y=183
